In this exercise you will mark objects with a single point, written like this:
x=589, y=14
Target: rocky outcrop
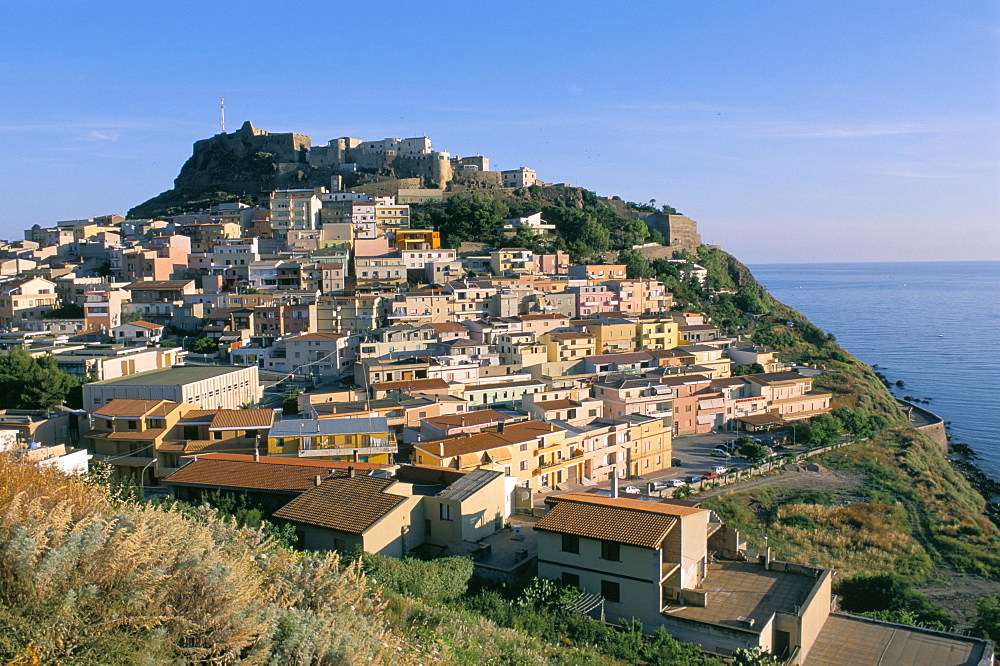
x=237, y=165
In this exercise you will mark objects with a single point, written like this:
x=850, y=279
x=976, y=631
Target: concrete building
x=294, y=209
x=24, y=300
x=209, y=387
x=650, y=561
x=520, y=177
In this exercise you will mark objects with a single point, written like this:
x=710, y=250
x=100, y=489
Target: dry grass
x=86, y=579
x=860, y=538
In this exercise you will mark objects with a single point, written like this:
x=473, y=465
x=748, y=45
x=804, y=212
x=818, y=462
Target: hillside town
x=376, y=389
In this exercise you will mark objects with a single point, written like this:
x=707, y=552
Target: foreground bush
x=87, y=579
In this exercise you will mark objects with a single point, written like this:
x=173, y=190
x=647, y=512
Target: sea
x=935, y=326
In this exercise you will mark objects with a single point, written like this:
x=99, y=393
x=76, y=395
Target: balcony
x=564, y=462
x=346, y=451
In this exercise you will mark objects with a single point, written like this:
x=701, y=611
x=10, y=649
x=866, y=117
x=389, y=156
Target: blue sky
x=793, y=132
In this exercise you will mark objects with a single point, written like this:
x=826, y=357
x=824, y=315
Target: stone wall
x=475, y=181
x=387, y=188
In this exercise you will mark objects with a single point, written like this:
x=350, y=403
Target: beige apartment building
x=215, y=387
x=24, y=300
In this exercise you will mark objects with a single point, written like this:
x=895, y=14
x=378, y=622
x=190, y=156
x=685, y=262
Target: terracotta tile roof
x=219, y=470
x=124, y=408
x=198, y=416
x=516, y=433
x=475, y=418
x=241, y=419
x=319, y=336
x=555, y=404
x=146, y=324
x=293, y=462
x=449, y=327
x=463, y=444
x=609, y=521
x=542, y=317
x=666, y=508
x=148, y=434
x=343, y=503
x=526, y=430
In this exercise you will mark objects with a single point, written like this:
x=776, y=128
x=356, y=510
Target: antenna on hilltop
x=222, y=110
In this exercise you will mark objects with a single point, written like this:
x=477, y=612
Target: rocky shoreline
x=962, y=459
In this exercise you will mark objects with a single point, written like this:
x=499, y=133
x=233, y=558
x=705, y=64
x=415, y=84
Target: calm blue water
x=934, y=325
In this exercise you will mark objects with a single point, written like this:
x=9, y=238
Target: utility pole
x=222, y=110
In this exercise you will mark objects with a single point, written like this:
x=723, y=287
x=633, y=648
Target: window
x=133, y=425
x=446, y=512
x=570, y=579
x=611, y=591
x=570, y=543
x=610, y=550
x=524, y=465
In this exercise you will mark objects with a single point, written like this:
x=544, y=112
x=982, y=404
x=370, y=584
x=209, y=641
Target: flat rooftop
x=743, y=589
x=856, y=641
x=173, y=376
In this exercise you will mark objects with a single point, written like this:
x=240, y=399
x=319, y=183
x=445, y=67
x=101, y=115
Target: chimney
x=350, y=471
x=500, y=427
x=614, y=483
x=317, y=480
x=256, y=455
x=441, y=449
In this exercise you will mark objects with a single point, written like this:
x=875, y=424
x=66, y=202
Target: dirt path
x=959, y=593
x=806, y=476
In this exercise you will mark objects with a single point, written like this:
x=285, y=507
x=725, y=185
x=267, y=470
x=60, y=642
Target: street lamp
x=142, y=476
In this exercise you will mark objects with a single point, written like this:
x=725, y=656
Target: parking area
x=693, y=455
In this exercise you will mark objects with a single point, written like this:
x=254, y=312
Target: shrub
x=433, y=581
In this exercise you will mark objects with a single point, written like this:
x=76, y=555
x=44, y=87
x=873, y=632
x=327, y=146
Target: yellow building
x=657, y=333
x=537, y=454
x=417, y=239
x=362, y=439
x=613, y=335
x=568, y=346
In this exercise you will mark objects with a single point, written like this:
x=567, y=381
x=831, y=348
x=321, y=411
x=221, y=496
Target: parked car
x=631, y=490
x=677, y=483
x=721, y=453
x=694, y=479
x=658, y=485
x=720, y=469
x=675, y=462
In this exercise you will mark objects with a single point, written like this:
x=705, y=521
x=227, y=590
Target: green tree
x=824, y=430
x=890, y=592
x=656, y=236
x=753, y=657
x=290, y=404
x=987, y=618
x=751, y=298
x=854, y=423
x=754, y=452
x=204, y=346
x=32, y=383
x=637, y=266
x=748, y=369
x=68, y=311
